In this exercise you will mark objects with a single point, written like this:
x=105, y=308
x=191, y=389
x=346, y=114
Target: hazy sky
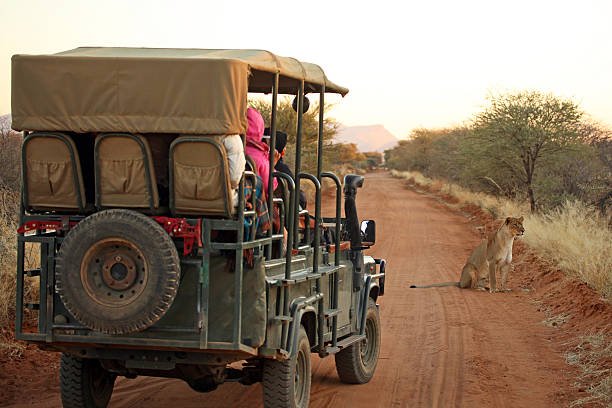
x=407, y=64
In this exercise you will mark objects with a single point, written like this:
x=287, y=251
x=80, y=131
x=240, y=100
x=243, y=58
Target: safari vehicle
x=146, y=267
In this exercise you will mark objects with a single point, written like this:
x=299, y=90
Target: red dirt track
x=441, y=347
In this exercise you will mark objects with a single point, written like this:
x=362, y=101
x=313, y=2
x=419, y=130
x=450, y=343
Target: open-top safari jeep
x=146, y=266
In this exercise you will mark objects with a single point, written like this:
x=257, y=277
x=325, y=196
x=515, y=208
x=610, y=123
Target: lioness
x=492, y=254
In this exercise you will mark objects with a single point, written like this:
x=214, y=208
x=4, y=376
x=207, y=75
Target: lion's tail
x=436, y=285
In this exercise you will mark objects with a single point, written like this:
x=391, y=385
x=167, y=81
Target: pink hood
x=255, y=129
x=256, y=149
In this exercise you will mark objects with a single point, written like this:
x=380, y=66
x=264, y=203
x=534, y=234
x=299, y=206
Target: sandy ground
x=441, y=347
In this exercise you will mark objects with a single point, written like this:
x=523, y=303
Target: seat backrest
x=51, y=170
x=125, y=176
x=199, y=176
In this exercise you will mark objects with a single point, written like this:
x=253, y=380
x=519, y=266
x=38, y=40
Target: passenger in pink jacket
x=257, y=149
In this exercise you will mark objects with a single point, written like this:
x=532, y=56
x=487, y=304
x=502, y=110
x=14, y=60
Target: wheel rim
x=300, y=378
x=369, y=345
x=114, y=272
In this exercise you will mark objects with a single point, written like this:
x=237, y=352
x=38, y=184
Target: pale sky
x=407, y=64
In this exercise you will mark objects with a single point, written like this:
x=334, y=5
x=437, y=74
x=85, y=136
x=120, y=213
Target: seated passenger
x=258, y=152
x=256, y=148
x=262, y=221
x=281, y=166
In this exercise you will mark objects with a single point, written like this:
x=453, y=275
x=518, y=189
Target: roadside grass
x=595, y=378
x=8, y=257
x=578, y=240
x=574, y=237
x=9, y=209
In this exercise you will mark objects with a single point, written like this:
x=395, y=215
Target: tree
x=374, y=159
x=343, y=153
x=520, y=131
x=286, y=121
x=412, y=154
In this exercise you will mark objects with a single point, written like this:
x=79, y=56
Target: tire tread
x=169, y=257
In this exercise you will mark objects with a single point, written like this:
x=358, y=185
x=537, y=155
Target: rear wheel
x=286, y=384
x=84, y=383
x=356, y=363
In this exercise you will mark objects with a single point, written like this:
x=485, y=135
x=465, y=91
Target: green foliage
x=435, y=153
x=343, y=153
x=526, y=146
x=521, y=130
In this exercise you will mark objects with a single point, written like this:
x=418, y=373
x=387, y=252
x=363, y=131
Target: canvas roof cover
x=150, y=90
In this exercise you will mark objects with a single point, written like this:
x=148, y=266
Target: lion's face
x=515, y=225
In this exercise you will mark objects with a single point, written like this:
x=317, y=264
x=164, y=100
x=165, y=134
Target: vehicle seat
x=52, y=176
x=199, y=177
x=125, y=176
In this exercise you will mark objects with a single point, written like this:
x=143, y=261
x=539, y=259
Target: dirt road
x=442, y=347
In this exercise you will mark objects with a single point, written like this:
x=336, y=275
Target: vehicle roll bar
x=290, y=220
x=317, y=231
x=334, y=300
x=321, y=130
x=317, y=249
x=298, y=156
x=271, y=155
x=336, y=181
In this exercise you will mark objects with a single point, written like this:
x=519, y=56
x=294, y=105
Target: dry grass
x=8, y=255
x=9, y=210
x=498, y=207
x=573, y=237
x=595, y=377
x=8, y=259
x=578, y=240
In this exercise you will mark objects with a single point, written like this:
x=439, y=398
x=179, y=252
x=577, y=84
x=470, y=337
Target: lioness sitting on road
x=493, y=254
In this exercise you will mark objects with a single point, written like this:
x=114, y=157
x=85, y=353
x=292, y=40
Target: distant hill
x=373, y=138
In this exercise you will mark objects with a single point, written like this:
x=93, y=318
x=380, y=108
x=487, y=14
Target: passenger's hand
x=277, y=157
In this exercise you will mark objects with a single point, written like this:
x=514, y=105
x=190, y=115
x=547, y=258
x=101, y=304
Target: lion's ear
x=521, y=219
x=508, y=220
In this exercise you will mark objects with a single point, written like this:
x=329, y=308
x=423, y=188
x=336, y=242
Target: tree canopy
x=518, y=131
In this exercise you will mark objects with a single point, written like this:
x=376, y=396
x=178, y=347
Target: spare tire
x=117, y=271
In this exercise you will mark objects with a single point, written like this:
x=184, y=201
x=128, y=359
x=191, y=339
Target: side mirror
x=368, y=232
x=305, y=107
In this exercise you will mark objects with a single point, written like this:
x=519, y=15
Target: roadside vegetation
x=528, y=147
x=9, y=210
x=592, y=357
